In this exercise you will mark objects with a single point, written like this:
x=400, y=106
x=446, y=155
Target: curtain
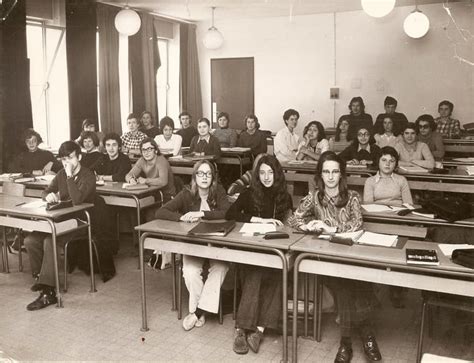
x=15, y=98
x=81, y=63
x=144, y=61
x=190, y=81
x=109, y=90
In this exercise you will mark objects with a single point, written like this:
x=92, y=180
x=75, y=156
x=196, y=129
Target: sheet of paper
x=34, y=205
x=46, y=177
x=260, y=228
x=373, y=208
x=448, y=248
x=378, y=239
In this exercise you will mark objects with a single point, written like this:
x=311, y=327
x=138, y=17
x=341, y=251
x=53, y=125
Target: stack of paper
x=378, y=239
x=251, y=229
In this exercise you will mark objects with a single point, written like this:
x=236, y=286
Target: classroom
x=252, y=180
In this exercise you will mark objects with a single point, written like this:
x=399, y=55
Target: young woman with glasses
x=362, y=150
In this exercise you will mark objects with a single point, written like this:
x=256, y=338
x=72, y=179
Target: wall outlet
x=334, y=93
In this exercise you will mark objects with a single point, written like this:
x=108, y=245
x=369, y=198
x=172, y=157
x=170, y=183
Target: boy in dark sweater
x=187, y=131
x=114, y=165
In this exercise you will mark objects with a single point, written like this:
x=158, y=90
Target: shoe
x=371, y=348
x=344, y=354
x=190, y=321
x=201, y=321
x=254, y=339
x=38, y=287
x=240, y=342
x=47, y=297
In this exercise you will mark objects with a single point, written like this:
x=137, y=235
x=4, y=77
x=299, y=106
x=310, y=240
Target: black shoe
x=344, y=354
x=38, y=287
x=240, y=342
x=371, y=348
x=254, y=339
x=47, y=297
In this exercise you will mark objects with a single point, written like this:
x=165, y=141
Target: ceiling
x=200, y=10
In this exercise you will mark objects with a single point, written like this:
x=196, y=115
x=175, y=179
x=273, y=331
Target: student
x=387, y=187
x=89, y=143
x=167, y=142
x=412, y=151
x=266, y=201
x=387, y=137
x=357, y=117
x=148, y=125
x=227, y=137
x=34, y=160
x=131, y=140
x=426, y=130
x=314, y=143
x=252, y=137
x=334, y=208
x=339, y=142
x=399, y=119
x=448, y=127
x=152, y=169
x=204, y=199
x=205, y=143
x=89, y=125
x=286, y=142
x=76, y=183
x=187, y=131
x=114, y=165
x=362, y=151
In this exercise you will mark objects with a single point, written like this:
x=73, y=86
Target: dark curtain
x=144, y=61
x=15, y=98
x=109, y=90
x=190, y=81
x=81, y=63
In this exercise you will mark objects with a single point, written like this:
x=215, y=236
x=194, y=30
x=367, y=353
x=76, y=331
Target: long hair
x=194, y=189
x=319, y=126
x=278, y=189
x=337, y=137
x=343, y=191
x=361, y=102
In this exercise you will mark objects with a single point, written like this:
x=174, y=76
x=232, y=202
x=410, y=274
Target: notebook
x=422, y=257
x=413, y=169
x=212, y=229
x=134, y=186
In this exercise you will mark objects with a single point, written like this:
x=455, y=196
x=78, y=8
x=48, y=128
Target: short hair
x=224, y=114
x=409, y=125
x=29, y=133
x=253, y=117
x=166, y=121
x=343, y=191
x=390, y=101
x=290, y=112
x=87, y=122
x=388, y=150
x=428, y=118
x=184, y=113
x=132, y=115
x=67, y=148
x=357, y=99
x=113, y=136
x=149, y=113
x=319, y=126
x=152, y=142
x=447, y=103
x=203, y=119
x=89, y=135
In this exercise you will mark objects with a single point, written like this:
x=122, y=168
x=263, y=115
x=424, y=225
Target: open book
x=365, y=237
x=212, y=229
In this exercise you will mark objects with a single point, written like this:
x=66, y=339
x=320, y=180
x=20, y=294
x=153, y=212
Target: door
x=232, y=89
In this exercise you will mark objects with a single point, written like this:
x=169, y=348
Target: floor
x=106, y=325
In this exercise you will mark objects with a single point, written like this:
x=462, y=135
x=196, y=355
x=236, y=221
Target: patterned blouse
x=346, y=219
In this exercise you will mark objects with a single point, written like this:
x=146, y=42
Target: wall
x=297, y=61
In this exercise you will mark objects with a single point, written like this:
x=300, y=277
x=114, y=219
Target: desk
x=377, y=265
x=11, y=215
x=173, y=237
x=463, y=146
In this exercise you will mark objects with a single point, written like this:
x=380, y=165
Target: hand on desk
x=317, y=225
x=141, y=180
x=276, y=222
x=191, y=217
x=52, y=198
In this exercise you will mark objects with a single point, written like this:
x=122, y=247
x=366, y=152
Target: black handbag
x=464, y=257
x=451, y=209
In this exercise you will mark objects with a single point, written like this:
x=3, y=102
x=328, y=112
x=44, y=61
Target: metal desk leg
x=6, y=268
x=306, y=303
x=315, y=299
x=137, y=201
x=319, y=299
x=296, y=267
x=142, y=274
x=173, y=269
x=91, y=262
x=285, y=303
x=55, y=261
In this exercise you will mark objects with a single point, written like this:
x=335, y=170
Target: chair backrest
x=15, y=189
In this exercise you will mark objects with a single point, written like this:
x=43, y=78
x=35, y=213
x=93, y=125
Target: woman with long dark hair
x=314, y=143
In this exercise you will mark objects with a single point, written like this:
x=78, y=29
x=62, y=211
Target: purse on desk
x=59, y=205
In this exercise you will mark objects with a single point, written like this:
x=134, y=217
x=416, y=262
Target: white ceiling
x=200, y=10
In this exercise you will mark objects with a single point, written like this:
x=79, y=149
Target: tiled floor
x=106, y=325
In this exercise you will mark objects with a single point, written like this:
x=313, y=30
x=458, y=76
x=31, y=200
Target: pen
x=20, y=204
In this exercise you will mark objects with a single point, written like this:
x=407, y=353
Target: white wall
x=295, y=64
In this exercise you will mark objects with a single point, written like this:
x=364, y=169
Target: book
x=420, y=256
x=129, y=186
x=412, y=169
x=212, y=229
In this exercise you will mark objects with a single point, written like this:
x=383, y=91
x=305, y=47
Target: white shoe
x=190, y=321
x=201, y=321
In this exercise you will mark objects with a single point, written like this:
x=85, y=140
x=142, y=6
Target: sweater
x=418, y=154
x=28, y=161
x=117, y=168
x=90, y=159
x=208, y=148
x=399, y=123
x=435, y=143
x=356, y=122
x=187, y=135
x=151, y=132
x=185, y=202
x=171, y=146
x=393, y=190
x=353, y=152
x=226, y=137
x=257, y=142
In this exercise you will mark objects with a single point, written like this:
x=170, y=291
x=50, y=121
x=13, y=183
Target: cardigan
x=80, y=188
x=353, y=152
x=117, y=168
x=208, y=148
x=257, y=141
x=392, y=190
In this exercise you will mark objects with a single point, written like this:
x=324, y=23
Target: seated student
x=89, y=143
x=314, y=143
x=147, y=125
x=448, y=127
x=167, y=142
x=252, y=137
x=89, y=125
x=74, y=182
x=339, y=142
x=286, y=142
x=205, y=143
x=387, y=187
x=114, y=165
x=187, y=131
x=387, y=137
x=412, y=151
x=206, y=199
x=131, y=140
x=399, y=119
x=426, y=130
x=152, y=169
x=227, y=137
x=362, y=150
x=357, y=117
x=34, y=160
x=334, y=208
x=266, y=201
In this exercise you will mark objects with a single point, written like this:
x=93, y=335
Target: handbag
x=464, y=257
x=451, y=208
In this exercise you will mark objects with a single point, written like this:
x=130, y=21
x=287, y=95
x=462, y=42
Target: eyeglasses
x=362, y=134
x=148, y=149
x=424, y=126
x=200, y=174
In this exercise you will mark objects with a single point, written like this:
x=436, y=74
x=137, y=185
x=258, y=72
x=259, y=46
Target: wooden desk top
x=410, y=218
x=115, y=188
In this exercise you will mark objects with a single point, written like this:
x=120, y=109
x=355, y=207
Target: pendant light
x=417, y=24
x=378, y=8
x=213, y=38
x=127, y=21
